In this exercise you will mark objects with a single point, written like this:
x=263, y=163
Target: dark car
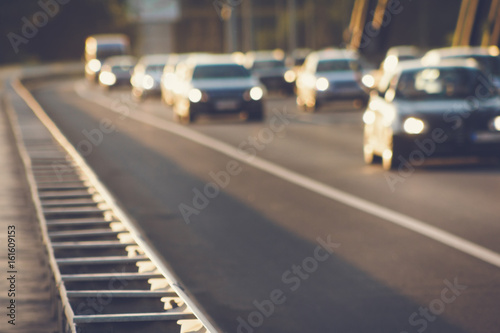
x=216, y=85
x=270, y=68
x=117, y=71
x=328, y=76
x=450, y=109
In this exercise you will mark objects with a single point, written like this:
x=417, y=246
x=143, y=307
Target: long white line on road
x=353, y=201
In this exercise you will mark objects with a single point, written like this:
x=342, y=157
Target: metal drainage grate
x=109, y=279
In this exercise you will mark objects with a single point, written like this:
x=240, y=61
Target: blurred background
x=160, y=26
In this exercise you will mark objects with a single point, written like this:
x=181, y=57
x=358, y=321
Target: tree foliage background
x=320, y=23
x=64, y=34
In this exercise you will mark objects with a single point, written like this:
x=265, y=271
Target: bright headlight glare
x=368, y=80
x=369, y=117
x=195, y=95
x=390, y=63
x=322, y=84
x=148, y=82
x=95, y=65
x=107, y=78
x=290, y=76
x=256, y=93
x=496, y=123
x=413, y=126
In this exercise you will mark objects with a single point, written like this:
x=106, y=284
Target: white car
x=328, y=76
x=146, y=77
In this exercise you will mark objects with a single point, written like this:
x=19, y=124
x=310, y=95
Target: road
x=263, y=248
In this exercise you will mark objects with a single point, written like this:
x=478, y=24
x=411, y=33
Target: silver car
x=328, y=76
x=146, y=77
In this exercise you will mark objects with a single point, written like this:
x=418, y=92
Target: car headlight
x=256, y=93
x=413, y=125
x=322, y=84
x=94, y=65
x=368, y=80
x=107, y=78
x=196, y=96
x=496, y=123
x=369, y=117
x=290, y=76
x=148, y=82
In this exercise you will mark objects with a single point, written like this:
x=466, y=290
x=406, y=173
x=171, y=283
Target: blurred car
x=294, y=62
x=100, y=47
x=487, y=57
x=392, y=58
x=450, y=109
x=146, y=76
x=117, y=71
x=327, y=76
x=269, y=67
x=216, y=85
x=396, y=54
x=168, y=80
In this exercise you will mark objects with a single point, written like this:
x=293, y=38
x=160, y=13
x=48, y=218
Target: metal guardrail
x=108, y=277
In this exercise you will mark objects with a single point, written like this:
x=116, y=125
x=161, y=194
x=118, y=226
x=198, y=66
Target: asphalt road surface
x=280, y=227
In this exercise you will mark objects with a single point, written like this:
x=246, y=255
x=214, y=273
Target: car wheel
x=300, y=104
x=137, y=96
x=368, y=151
x=313, y=106
x=256, y=116
x=391, y=154
x=187, y=118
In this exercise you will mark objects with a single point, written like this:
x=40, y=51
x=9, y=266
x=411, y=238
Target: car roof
x=445, y=63
x=462, y=51
x=154, y=59
x=328, y=54
x=212, y=59
x=263, y=55
x=125, y=60
x=403, y=50
x=107, y=38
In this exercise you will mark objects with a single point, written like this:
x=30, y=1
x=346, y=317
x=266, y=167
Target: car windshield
x=107, y=50
x=122, y=68
x=268, y=64
x=337, y=65
x=443, y=83
x=407, y=57
x=219, y=72
x=155, y=68
x=489, y=64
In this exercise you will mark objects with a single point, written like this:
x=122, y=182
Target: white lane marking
x=353, y=201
